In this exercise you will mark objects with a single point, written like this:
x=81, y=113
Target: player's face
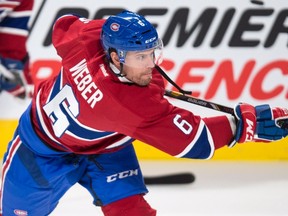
x=138, y=66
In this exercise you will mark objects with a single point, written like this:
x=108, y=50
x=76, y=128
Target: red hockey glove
x=260, y=123
x=246, y=123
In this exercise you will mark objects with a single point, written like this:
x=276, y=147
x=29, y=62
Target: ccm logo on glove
x=249, y=130
x=246, y=122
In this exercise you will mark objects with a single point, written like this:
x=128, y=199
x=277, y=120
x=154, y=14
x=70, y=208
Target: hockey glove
x=13, y=78
x=260, y=123
x=272, y=123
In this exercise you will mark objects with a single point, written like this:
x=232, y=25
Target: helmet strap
x=116, y=71
x=121, y=70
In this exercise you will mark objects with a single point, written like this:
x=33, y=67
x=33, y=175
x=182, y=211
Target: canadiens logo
x=114, y=27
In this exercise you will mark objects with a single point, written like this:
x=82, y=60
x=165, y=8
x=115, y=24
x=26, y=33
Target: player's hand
x=259, y=124
x=13, y=79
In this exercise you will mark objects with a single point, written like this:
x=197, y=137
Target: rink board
x=250, y=151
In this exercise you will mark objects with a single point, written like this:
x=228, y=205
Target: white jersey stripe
x=14, y=31
x=19, y=14
x=6, y=165
x=119, y=143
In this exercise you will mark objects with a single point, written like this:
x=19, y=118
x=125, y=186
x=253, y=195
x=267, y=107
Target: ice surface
x=221, y=188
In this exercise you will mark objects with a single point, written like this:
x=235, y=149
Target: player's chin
x=145, y=82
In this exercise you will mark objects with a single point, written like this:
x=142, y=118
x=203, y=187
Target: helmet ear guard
x=128, y=31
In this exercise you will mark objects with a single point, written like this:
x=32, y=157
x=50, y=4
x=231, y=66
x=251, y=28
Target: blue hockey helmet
x=128, y=31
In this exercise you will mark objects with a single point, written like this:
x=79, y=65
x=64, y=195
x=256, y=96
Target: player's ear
x=115, y=59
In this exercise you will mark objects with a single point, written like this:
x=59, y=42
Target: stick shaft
x=199, y=102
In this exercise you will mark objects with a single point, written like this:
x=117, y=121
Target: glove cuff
x=246, y=125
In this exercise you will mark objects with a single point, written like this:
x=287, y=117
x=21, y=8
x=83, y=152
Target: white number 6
x=183, y=125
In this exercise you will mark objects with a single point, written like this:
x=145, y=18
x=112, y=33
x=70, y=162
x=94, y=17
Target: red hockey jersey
x=87, y=109
x=14, y=30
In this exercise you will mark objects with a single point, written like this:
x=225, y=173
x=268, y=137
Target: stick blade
x=178, y=178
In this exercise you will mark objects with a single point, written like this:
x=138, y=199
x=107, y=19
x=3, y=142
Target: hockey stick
x=178, y=178
x=200, y=102
x=282, y=123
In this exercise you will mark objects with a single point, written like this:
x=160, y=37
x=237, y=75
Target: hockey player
x=15, y=77
x=80, y=124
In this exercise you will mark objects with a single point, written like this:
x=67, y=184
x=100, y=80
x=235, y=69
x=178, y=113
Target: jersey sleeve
x=182, y=134
x=148, y=116
x=74, y=36
x=65, y=33
x=14, y=29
